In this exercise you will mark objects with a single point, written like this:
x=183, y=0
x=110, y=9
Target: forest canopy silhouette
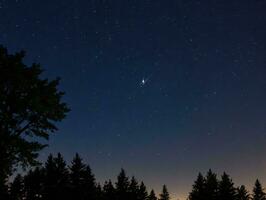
x=57, y=180
x=30, y=107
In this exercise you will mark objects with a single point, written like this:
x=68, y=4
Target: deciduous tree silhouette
x=29, y=108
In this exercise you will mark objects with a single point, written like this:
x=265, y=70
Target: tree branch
x=19, y=132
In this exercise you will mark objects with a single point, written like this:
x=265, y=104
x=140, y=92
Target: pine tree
x=142, y=192
x=211, y=186
x=17, y=189
x=198, y=189
x=109, y=191
x=226, y=188
x=3, y=188
x=77, y=170
x=242, y=193
x=99, y=192
x=165, y=194
x=81, y=179
x=133, y=189
x=258, y=193
x=56, y=181
x=152, y=195
x=62, y=176
x=33, y=184
x=49, y=178
x=122, y=186
x=90, y=184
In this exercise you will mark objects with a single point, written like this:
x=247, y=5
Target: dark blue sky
x=203, y=105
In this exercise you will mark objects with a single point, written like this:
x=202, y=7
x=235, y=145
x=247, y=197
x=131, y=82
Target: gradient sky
x=203, y=105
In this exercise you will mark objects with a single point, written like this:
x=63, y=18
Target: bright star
x=144, y=81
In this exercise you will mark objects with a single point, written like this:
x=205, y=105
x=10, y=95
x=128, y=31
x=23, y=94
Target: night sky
x=164, y=89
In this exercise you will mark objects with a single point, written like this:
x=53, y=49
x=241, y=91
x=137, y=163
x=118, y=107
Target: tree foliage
x=258, y=193
x=198, y=189
x=226, y=188
x=122, y=186
x=142, y=192
x=81, y=179
x=33, y=184
x=56, y=180
x=109, y=192
x=211, y=186
x=242, y=193
x=29, y=108
x=165, y=194
x=152, y=195
x=17, y=188
x=133, y=189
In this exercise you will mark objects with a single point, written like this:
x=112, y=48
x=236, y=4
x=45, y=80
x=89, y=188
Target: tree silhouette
x=33, y=184
x=211, y=186
x=109, y=191
x=242, y=193
x=152, y=195
x=258, y=193
x=81, y=179
x=133, y=189
x=3, y=189
x=198, y=189
x=165, y=194
x=29, y=108
x=226, y=188
x=99, y=192
x=16, y=189
x=142, y=192
x=56, y=179
x=122, y=186
x=77, y=171
x=90, y=184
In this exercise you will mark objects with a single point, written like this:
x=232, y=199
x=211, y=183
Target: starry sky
x=162, y=88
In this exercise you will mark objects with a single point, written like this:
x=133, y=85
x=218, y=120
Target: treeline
x=212, y=188
x=57, y=180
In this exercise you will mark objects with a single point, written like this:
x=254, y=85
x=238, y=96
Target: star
x=143, y=82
